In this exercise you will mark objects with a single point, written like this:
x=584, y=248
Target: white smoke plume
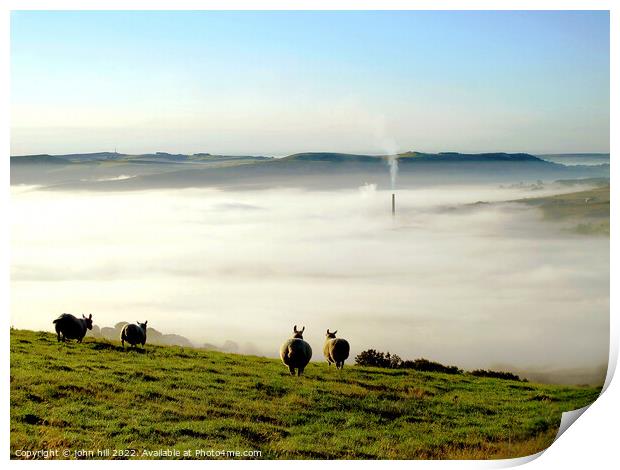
x=389, y=146
x=393, y=164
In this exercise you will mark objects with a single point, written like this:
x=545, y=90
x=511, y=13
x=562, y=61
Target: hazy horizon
x=172, y=152
x=279, y=82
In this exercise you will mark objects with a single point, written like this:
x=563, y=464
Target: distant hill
x=39, y=159
x=330, y=157
x=119, y=157
x=93, y=156
x=310, y=170
x=466, y=157
x=410, y=157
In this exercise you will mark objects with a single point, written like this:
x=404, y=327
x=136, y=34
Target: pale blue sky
x=276, y=83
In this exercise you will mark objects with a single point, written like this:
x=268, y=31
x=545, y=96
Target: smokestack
x=393, y=204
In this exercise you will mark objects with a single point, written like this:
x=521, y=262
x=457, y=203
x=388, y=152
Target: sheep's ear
x=335, y=332
x=145, y=322
x=90, y=317
x=327, y=331
x=303, y=328
x=83, y=316
x=294, y=328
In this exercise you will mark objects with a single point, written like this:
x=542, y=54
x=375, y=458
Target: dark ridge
x=320, y=170
x=95, y=154
x=408, y=157
x=39, y=159
x=468, y=157
x=157, y=156
x=329, y=157
x=326, y=157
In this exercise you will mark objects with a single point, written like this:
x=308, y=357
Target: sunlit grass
x=95, y=396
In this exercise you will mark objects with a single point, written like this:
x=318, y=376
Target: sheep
x=70, y=327
x=336, y=350
x=295, y=352
x=134, y=334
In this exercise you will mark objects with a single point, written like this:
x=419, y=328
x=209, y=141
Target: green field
x=94, y=396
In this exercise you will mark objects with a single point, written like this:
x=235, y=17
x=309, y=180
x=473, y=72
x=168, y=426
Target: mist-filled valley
x=460, y=275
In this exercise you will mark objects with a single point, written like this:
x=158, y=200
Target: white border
x=592, y=442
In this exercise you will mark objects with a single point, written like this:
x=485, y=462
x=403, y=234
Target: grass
x=95, y=396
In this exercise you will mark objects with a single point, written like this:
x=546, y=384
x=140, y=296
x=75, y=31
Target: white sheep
x=134, y=334
x=296, y=353
x=335, y=350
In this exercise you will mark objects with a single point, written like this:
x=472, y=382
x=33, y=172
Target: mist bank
x=317, y=171
x=460, y=283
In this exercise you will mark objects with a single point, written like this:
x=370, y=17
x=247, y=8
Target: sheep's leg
x=123, y=343
x=300, y=371
x=291, y=370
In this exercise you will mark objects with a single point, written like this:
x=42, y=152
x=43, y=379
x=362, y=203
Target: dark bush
x=374, y=358
x=370, y=357
x=424, y=365
x=497, y=375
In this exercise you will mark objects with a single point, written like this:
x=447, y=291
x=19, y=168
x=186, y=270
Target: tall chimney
x=393, y=204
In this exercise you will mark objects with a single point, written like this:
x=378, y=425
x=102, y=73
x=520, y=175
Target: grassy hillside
x=95, y=396
x=587, y=211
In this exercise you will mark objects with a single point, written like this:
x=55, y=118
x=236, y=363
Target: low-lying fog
x=472, y=286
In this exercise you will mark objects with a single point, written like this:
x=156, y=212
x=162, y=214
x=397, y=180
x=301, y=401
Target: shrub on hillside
x=497, y=375
x=424, y=365
x=374, y=358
